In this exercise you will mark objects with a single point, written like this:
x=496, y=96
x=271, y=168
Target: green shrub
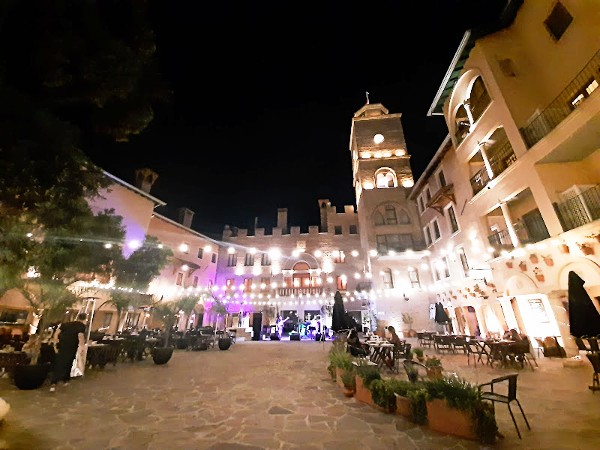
x=418, y=351
x=349, y=379
x=339, y=357
x=368, y=374
x=418, y=403
x=382, y=392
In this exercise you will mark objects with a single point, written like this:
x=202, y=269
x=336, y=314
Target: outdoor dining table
x=500, y=352
x=97, y=355
x=380, y=351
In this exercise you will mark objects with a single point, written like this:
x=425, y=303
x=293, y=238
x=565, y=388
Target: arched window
x=390, y=215
x=301, y=275
x=385, y=178
x=403, y=217
x=378, y=218
x=479, y=99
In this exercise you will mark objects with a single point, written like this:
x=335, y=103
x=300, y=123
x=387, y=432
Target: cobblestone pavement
x=274, y=395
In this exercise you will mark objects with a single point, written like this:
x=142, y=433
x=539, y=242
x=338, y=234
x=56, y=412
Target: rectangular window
x=195, y=282
x=265, y=283
x=558, y=21
x=436, y=230
x=442, y=178
x=179, y=280
x=420, y=204
x=388, y=280
x=249, y=260
x=342, y=283
x=390, y=215
x=413, y=276
x=265, y=260
x=213, y=258
x=247, y=284
x=452, y=218
x=200, y=252
x=339, y=257
x=427, y=235
x=463, y=260
x=353, y=229
x=338, y=229
x=231, y=260
x=230, y=283
x=427, y=194
x=395, y=242
x=446, y=267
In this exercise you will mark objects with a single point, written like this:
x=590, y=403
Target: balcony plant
x=548, y=260
x=534, y=258
x=539, y=274
x=523, y=266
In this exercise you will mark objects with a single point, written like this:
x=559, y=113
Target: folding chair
x=474, y=350
x=508, y=398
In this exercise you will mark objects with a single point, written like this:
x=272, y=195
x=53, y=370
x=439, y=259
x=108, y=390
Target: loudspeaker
x=274, y=337
x=294, y=337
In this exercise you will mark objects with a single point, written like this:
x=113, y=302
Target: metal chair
x=581, y=345
x=475, y=350
x=595, y=360
x=593, y=341
x=508, y=398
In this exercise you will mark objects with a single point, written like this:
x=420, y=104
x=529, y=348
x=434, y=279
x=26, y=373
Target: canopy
x=584, y=319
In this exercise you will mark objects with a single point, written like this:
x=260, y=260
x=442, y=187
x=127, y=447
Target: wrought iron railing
x=501, y=157
x=479, y=180
x=548, y=119
x=500, y=240
x=579, y=209
x=286, y=292
x=529, y=231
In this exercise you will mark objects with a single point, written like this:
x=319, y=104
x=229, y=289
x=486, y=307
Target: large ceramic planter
x=434, y=373
x=30, y=376
x=442, y=418
x=224, y=343
x=162, y=355
x=362, y=393
x=403, y=406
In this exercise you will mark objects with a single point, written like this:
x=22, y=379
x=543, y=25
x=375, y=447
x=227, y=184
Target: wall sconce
x=405, y=297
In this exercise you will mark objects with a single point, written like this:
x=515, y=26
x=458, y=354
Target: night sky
x=264, y=95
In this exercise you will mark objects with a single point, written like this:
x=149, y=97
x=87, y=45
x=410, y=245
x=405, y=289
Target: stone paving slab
x=274, y=395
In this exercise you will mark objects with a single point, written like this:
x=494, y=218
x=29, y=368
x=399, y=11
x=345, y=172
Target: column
x=509, y=226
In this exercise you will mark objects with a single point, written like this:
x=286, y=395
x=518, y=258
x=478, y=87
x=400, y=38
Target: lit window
x=388, y=281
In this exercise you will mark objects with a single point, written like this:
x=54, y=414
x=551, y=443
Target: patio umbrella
x=584, y=319
x=440, y=314
x=338, y=316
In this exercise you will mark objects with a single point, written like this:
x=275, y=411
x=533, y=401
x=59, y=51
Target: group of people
x=360, y=349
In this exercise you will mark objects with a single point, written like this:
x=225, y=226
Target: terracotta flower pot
x=549, y=262
x=534, y=258
x=509, y=264
x=540, y=278
x=403, y=406
x=523, y=266
x=442, y=418
x=564, y=248
x=587, y=250
x=362, y=393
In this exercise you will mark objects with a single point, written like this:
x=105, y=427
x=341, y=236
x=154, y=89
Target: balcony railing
x=580, y=209
x=286, y=292
x=548, y=119
x=479, y=180
x=501, y=157
x=530, y=229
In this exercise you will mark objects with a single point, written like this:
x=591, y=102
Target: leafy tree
x=144, y=264
x=168, y=312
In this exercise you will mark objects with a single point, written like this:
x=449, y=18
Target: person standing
x=70, y=336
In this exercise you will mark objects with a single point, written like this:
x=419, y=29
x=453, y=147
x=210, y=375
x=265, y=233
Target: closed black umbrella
x=338, y=316
x=584, y=319
x=440, y=314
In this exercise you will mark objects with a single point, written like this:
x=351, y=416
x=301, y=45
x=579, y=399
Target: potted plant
x=340, y=360
x=548, y=260
x=586, y=248
x=408, y=320
x=169, y=313
x=402, y=388
x=539, y=275
x=418, y=351
x=383, y=392
x=365, y=374
x=533, y=258
x=454, y=406
x=509, y=263
x=349, y=382
x=523, y=266
x=434, y=367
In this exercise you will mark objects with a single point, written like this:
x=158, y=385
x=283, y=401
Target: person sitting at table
x=393, y=339
x=512, y=335
x=355, y=347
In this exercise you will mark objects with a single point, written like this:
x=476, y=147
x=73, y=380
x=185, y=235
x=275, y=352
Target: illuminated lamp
x=367, y=185
x=408, y=182
x=134, y=244
x=108, y=245
x=373, y=252
x=184, y=248
x=400, y=152
x=207, y=248
x=378, y=138
x=354, y=253
x=231, y=250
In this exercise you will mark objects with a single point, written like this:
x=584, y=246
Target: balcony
x=501, y=157
x=579, y=209
x=479, y=180
x=297, y=291
x=559, y=109
x=530, y=228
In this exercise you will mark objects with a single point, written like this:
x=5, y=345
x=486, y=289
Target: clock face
x=378, y=138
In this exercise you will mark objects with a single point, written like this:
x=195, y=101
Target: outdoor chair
x=581, y=345
x=508, y=384
x=443, y=343
x=595, y=360
x=593, y=341
x=459, y=343
x=400, y=353
x=475, y=350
